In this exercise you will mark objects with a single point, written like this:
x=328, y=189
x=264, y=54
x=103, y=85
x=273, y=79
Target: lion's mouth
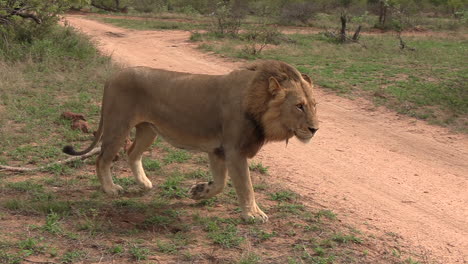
x=303, y=138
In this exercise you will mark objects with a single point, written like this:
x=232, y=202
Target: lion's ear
x=306, y=78
x=274, y=86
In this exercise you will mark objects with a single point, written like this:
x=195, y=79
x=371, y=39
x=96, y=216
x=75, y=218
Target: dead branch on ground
x=60, y=162
x=403, y=44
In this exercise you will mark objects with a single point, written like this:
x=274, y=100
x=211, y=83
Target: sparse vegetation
x=259, y=167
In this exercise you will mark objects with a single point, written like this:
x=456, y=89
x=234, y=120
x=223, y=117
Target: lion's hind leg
x=206, y=190
x=111, y=144
x=144, y=137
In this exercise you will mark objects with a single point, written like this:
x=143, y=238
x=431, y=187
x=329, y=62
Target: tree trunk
x=344, y=19
x=356, y=34
x=382, y=14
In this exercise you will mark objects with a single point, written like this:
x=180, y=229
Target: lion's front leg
x=238, y=169
x=206, y=190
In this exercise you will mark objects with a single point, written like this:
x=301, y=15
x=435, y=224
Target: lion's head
x=281, y=99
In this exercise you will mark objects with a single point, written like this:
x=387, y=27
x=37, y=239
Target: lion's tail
x=71, y=151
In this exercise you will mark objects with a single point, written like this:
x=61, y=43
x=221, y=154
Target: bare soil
x=380, y=171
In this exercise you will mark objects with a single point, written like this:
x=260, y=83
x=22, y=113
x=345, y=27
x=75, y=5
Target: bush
x=298, y=12
x=259, y=36
x=148, y=6
x=25, y=20
x=227, y=19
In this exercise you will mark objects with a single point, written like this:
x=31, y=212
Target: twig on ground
x=403, y=44
x=39, y=262
x=65, y=161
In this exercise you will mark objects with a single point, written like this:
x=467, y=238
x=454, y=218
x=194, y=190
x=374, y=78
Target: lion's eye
x=300, y=107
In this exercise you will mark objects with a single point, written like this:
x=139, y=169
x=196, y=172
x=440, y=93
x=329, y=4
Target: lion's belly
x=188, y=141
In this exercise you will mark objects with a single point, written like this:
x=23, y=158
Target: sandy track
x=377, y=170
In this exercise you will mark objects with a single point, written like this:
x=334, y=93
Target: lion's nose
x=313, y=130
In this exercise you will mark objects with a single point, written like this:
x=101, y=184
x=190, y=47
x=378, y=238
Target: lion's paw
x=147, y=184
x=200, y=190
x=114, y=189
x=256, y=214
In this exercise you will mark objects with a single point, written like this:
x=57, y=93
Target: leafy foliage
x=26, y=20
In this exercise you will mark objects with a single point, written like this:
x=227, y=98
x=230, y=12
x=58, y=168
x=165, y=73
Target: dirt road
x=379, y=171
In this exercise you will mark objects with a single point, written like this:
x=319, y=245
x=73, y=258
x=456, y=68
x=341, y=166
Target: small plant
x=341, y=238
x=262, y=235
x=319, y=251
x=31, y=246
x=52, y=224
x=250, y=258
x=171, y=188
x=72, y=256
x=295, y=209
x=116, y=250
x=196, y=36
x=259, y=168
x=139, y=253
x=90, y=223
x=327, y=214
x=167, y=248
x=283, y=196
x=411, y=261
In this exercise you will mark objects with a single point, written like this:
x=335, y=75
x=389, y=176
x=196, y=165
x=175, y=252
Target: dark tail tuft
x=69, y=150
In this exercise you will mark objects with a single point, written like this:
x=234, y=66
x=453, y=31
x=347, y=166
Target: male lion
x=228, y=116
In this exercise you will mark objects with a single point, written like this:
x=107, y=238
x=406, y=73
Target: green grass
x=176, y=156
x=282, y=196
x=31, y=246
x=327, y=214
x=52, y=224
x=139, y=253
x=250, y=258
x=25, y=186
x=172, y=188
x=341, y=238
x=116, y=250
x=151, y=165
x=290, y=208
x=73, y=256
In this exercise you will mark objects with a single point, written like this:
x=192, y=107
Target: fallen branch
x=21, y=12
x=356, y=34
x=403, y=44
x=28, y=15
x=39, y=262
x=335, y=37
x=60, y=162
